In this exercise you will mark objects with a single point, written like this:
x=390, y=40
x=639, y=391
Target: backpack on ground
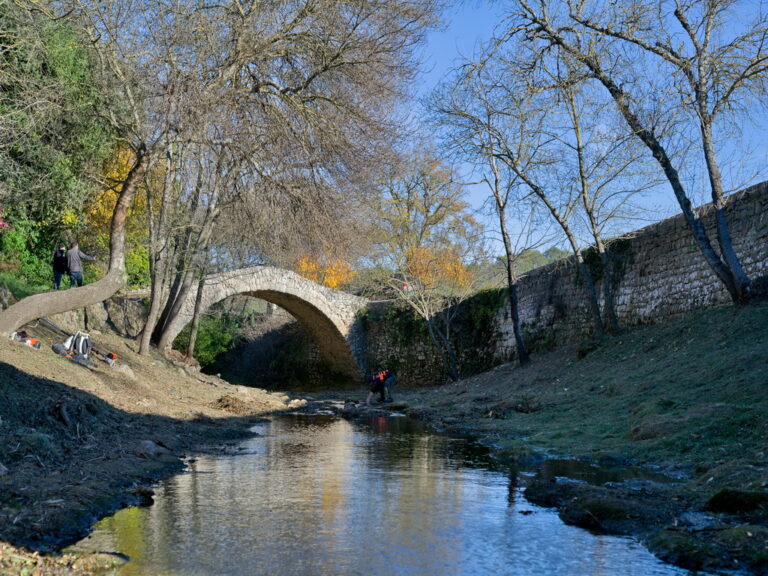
x=79, y=343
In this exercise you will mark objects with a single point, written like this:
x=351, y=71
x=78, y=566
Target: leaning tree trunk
x=741, y=282
x=40, y=305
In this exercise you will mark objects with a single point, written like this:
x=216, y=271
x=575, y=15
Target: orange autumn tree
x=427, y=237
x=98, y=218
x=443, y=270
x=333, y=273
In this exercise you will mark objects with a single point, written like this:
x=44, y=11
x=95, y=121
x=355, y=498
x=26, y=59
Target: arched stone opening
x=329, y=316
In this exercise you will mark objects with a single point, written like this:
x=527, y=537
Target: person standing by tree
x=59, y=264
x=75, y=265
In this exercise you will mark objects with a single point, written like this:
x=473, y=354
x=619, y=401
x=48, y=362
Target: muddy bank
x=78, y=443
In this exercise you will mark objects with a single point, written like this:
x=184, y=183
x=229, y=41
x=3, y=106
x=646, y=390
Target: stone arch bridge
x=330, y=316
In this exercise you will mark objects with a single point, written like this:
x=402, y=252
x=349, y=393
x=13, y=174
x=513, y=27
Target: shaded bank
x=79, y=443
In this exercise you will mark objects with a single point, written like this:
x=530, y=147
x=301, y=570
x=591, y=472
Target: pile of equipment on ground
x=77, y=347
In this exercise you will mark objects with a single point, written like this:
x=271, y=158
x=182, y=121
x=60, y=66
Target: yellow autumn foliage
x=335, y=273
x=308, y=267
x=443, y=269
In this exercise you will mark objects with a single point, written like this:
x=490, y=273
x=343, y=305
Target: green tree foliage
x=530, y=259
x=52, y=137
x=214, y=337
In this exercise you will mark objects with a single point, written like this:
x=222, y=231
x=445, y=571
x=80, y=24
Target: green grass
x=692, y=393
x=695, y=386
x=19, y=288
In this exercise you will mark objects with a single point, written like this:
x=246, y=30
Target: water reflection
x=319, y=495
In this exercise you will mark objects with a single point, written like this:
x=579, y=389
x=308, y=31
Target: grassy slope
x=691, y=393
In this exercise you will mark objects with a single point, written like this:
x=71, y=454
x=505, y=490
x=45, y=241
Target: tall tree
x=470, y=136
x=710, y=54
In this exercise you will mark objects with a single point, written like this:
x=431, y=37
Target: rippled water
x=320, y=495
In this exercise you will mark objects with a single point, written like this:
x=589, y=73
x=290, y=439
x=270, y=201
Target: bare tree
x=467, y=119
x=303, y=90
x=512, y=115
x=604, y=166
x=711, y=58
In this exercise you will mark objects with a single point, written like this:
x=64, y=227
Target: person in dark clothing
x=75, y=265
x=377, y=386
x=389, y=379
x=59, y=264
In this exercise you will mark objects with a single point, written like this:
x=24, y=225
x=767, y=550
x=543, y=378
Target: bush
x=214, y=337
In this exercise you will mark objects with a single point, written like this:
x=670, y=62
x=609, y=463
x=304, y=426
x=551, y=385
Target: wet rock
x=594, y=515
x=145, y=494
x=731, y=501
x=696, y=521
x=150, y=449
x=681, y=548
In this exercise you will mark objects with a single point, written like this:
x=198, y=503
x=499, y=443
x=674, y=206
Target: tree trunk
x=741, y=281
x=522, y=351
x=40, y=305
x=501, y=199
x=159, y=258
x=609, y=309
x=446, y=354
x=202, y=242
x=196, y=316
x=585, y=187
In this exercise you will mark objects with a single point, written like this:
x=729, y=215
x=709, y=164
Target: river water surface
x=319, y=495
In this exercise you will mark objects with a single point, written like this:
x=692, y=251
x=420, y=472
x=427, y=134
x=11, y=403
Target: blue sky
x=468, y=24
x=465, y=27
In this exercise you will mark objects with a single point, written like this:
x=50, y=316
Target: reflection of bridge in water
x=330, y=316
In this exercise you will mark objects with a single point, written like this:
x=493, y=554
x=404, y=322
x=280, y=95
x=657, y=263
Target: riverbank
x=77, y=443
x=687, y=399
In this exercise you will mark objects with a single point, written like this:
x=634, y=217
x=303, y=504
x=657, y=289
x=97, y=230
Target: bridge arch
x=330, y=316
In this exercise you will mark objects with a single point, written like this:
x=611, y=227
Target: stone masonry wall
x=659, y=274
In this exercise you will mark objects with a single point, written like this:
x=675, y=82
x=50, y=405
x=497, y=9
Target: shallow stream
x=320, y=495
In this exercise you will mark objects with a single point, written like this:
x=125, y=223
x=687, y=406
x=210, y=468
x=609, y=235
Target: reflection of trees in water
x=326, y=496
